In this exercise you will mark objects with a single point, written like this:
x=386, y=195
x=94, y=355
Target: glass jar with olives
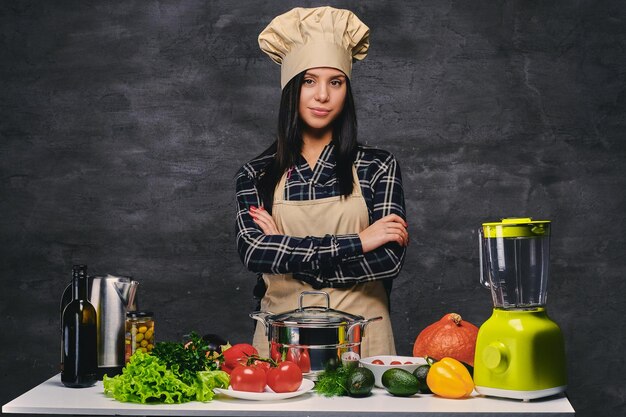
x=139, y=332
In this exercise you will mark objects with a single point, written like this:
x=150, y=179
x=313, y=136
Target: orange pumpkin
x=449, y=337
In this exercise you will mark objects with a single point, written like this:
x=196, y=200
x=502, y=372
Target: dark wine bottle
x=79, y=342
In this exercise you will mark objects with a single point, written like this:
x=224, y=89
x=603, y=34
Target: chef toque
x=306, y=38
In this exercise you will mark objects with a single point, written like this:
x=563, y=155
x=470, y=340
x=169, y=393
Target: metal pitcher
x=112, y=296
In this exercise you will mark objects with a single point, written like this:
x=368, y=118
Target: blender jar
x=514, y=262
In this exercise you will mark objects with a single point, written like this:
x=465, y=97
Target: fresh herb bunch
x=333, y=382
x=185, y=360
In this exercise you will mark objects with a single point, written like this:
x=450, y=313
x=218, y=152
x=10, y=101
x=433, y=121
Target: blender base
x=520, y=395
x=520, y=354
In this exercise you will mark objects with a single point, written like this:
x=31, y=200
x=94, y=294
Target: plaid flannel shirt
x=331, y=260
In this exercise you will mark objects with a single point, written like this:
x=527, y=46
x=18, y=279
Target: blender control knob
x=496, y=357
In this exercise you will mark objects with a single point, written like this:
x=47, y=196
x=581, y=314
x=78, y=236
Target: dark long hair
x=288, y=145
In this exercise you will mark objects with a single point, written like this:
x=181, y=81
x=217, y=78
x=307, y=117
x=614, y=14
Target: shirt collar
x=324, y=168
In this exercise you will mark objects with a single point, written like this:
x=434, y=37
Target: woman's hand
x=264, y=220
x=391, y=228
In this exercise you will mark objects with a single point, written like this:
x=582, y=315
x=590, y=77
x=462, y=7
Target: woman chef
x=317, y=210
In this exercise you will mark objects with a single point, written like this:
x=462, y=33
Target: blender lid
x=517, y=227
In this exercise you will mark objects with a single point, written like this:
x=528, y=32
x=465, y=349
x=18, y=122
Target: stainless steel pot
x=315, y=335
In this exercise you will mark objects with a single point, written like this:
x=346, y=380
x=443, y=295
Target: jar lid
x=138, y=314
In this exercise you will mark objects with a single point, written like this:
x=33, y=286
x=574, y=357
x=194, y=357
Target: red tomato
x=377, y=362
x=264, y=366
x=286, y=377
x=396, y=363
x=300, y=356
x=248, y=378
x=237, y=355
x=408, y=363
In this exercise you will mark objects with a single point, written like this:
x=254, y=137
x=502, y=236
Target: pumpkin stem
x=456, y=318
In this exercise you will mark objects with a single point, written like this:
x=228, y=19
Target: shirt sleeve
x=384, y=262
x=280, y=254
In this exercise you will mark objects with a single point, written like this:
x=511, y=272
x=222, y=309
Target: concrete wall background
x=122, y=125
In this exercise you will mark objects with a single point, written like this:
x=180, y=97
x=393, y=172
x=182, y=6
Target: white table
x=51, y=397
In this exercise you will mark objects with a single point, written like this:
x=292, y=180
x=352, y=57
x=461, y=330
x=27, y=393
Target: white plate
x=306, y=386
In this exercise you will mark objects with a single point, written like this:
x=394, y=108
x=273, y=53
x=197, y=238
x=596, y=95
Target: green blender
x=520, y=351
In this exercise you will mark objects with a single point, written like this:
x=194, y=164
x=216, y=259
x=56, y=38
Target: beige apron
x=332, y=215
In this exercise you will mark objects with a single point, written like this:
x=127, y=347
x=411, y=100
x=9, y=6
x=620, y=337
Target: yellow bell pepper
x=449, y=378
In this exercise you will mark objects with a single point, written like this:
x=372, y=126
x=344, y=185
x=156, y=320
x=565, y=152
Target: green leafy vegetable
x=207, y=380
x=333, y=381
x=186, y=360
x=147, y=379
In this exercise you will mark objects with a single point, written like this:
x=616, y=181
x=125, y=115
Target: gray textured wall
x=122, y=125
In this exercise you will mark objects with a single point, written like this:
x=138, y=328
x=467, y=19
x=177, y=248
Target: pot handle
x=368, y=321
x=363, y=324
x=303, y=293
x=261, y=316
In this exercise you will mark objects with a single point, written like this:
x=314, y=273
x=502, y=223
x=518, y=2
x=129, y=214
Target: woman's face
x=322, y=96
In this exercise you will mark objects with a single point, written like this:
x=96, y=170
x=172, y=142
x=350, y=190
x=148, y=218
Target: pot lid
x=314, y=315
